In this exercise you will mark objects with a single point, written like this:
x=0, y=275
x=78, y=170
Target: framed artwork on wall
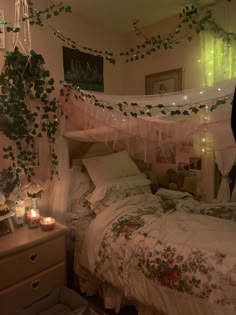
x=164, y=82
x=83, y=69
x=2, y=31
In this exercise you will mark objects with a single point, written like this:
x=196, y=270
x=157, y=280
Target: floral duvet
x=135, y=243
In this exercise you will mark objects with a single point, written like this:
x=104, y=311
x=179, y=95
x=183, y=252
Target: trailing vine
x=134, y=109
x=191, y=22
x=28, y=111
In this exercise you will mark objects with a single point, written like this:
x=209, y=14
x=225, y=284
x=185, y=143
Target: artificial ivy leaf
x=68, y=9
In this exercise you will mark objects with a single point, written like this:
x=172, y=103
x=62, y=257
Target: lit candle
x=47, y=224
x=33, y=218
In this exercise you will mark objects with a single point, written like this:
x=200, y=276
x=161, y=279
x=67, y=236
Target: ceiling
x=119, y=15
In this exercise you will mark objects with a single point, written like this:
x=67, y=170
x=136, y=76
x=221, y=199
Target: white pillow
x=117, y=190
x=104, y=169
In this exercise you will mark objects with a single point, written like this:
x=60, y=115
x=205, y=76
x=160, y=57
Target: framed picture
x=164, y=82
x=83, y=69
x=2, y=31
x=195, y=163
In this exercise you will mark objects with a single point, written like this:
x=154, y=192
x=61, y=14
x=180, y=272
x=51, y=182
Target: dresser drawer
x=22, y=265
x=27, y=292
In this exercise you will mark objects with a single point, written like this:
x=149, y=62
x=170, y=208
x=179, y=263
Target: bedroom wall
x=184, y=55
x=78, y=28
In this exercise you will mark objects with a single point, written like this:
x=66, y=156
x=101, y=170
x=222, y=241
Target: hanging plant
x=28, y=110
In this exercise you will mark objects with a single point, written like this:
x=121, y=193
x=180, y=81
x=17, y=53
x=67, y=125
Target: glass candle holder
x=33, y=218
x=19, y=214
x=47, y=224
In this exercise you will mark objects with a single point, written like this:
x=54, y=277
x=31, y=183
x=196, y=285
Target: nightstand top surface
x=24, y=237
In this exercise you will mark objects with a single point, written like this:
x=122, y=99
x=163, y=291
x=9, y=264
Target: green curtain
x=219, y=57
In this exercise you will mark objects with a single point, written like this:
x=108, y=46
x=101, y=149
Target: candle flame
x=33, y=213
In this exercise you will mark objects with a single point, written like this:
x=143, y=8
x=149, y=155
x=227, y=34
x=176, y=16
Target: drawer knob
x=35, y=284
x=34, y=257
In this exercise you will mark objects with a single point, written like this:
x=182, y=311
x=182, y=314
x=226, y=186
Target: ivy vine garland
x=28, y=110
x=191, y=22
x=134, y=109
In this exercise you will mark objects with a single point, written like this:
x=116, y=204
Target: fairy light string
x=133, y=109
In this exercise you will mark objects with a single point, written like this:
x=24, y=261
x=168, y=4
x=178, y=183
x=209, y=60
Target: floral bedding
x=191, y=253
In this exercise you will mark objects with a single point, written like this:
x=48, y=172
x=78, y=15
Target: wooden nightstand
x=32, y=264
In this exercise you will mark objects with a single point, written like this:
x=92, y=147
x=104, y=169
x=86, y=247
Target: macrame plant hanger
x=21, y=22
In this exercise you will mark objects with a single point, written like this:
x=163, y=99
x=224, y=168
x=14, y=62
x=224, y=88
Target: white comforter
x=177, y=262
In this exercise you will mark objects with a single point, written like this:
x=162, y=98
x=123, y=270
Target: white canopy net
x=155, y=137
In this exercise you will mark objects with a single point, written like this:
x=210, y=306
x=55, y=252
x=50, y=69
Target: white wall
x=184, y=55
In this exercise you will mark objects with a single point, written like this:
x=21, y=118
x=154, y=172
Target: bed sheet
x=175, y=261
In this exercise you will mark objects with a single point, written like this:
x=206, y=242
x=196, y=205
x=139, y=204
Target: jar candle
x=33, y=218
x=47, y=224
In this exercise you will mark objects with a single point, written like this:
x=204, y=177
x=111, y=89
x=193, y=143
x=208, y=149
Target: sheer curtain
x=58, y=202
x=225, y=160
x=219, y=57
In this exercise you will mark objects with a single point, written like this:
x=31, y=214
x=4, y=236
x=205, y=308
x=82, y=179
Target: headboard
x=80, y=149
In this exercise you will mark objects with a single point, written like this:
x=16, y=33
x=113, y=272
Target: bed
x=165, y=253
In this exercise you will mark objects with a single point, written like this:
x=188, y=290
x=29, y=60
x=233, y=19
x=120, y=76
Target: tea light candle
x=33, y=218
x=47, y=224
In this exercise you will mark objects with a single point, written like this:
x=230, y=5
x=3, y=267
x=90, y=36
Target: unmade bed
x=166, y=253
